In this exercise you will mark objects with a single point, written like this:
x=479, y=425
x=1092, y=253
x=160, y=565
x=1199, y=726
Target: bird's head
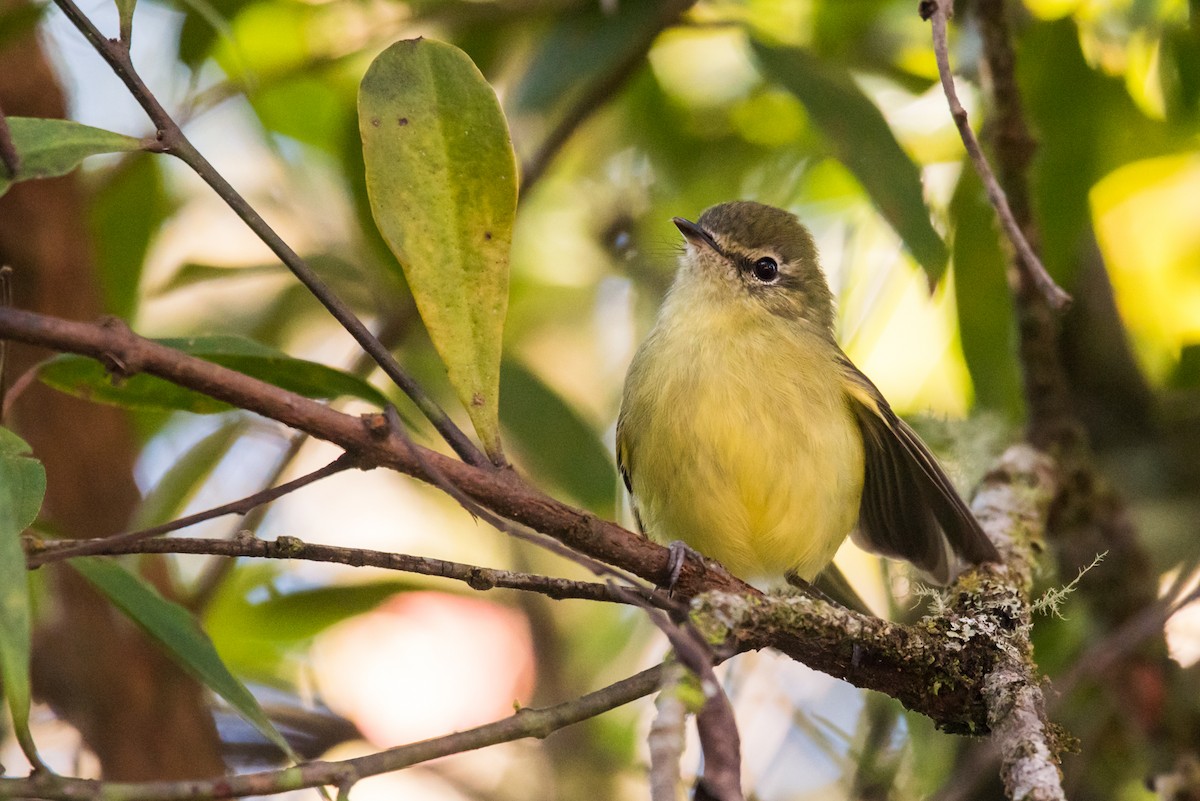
x=757, y=255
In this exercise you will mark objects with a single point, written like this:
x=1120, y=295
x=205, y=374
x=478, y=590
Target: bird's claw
x=678, y=552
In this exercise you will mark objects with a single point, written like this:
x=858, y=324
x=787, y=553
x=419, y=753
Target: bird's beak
x=695, y=234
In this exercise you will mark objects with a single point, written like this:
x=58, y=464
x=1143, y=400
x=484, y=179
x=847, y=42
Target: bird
x=748, y=435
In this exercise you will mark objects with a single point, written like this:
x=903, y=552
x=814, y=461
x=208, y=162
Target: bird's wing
x=909, y=507
x=625, y=469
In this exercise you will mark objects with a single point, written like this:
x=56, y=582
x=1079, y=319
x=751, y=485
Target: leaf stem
x=172, y=140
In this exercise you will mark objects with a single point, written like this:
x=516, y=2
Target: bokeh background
x=663, y=108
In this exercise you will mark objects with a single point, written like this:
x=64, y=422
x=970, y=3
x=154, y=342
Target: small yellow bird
x=746, y=433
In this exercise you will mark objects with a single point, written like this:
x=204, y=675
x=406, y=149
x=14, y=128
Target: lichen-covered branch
x=905, y=662
x=969, y=666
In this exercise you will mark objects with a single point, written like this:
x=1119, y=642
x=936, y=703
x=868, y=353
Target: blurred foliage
x=828, y=108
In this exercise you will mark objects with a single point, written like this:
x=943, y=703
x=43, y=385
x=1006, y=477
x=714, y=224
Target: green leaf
x=441, y=177
x=985, y=312
x=125, y=17
x=299, y=616
x=193, y=274
x=85, y=378
x=18, y=20
x=123, y=238
x=204, y=22
x=1187, y=372
x=585, y=42
x=556, y=443
x=181, y=637
x=22, y=486
x=55, y=147
x=256, y=628
x=860, y=137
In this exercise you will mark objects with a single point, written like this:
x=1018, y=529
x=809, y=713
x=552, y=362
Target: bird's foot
x=678, y=552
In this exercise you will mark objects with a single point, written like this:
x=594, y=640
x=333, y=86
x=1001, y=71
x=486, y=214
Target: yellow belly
x=737, y=448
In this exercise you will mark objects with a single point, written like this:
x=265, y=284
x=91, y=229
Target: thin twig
x=715, y=723
x=542, y=541
x=250, y=547
x=173, y=141
x=209, y=581
x=241, y=506
x=204, y=589
x=529, y=722
x=1029, y=265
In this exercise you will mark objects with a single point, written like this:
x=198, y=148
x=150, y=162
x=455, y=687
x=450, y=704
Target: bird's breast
x=742, y=444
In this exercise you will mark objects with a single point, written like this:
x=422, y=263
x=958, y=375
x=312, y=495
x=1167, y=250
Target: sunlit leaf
x=1087, y=126
x=86, y=378
x=172, y=627
x=22, y=486
x=55, y=147
x=860, y=137
x=442, y=183
x=554, y=441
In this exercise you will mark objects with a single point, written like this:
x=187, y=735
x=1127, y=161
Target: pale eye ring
x=766, y=270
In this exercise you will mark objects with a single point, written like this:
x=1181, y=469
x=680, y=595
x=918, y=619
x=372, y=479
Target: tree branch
x=525, y=723
x=40, y=552
x=172, y=140
x=901, y=661
x=370, y=439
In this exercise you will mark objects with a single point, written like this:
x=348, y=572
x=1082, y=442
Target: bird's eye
x=766, y=270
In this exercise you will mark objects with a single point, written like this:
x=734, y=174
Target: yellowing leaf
x=441, y=177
